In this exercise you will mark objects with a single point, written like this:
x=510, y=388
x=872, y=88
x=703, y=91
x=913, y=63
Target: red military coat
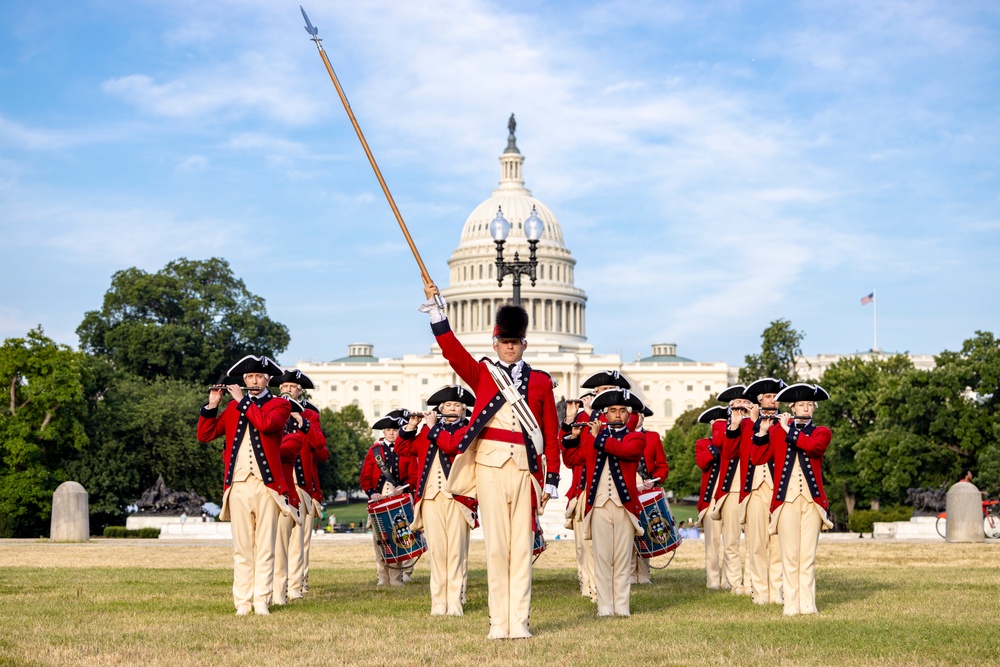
x=291, y=444
x=538, y=394
x=422, y=446
x=706, y=456
x=735, y=443
x=266, y=423
x=402, y=468
x=754, y=451
x=810, y=444
x=313, y=451
x=655, y=458
x=621, y=449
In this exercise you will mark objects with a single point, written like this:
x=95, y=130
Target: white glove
x=432, y=308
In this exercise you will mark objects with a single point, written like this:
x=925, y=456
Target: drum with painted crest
x=538, y=546
x=391, y=518
x=660, y=534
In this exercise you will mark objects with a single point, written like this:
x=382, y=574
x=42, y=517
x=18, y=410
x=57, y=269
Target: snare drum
x=660, y=530
x=538, y=546
x=391, y=518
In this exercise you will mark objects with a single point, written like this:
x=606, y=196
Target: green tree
x=678, y=444
x=40, y=427
x=780, y=346
x=348, y=436
x=189, y=321
x=972, y=376
x=857, y=390
x=139, y=429
x=108, y=468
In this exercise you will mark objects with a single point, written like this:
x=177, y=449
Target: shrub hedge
x=862, y=521
x=122, y=531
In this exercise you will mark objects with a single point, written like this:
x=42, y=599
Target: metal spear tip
x=309, y=26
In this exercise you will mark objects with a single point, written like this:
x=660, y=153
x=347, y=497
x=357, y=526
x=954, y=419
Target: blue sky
x=714, y=165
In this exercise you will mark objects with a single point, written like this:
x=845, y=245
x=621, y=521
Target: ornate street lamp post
x=533, y=228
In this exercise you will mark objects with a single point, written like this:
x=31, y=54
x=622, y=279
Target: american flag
x=868, y=299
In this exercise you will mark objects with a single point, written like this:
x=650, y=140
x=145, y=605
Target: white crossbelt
x=519, y=405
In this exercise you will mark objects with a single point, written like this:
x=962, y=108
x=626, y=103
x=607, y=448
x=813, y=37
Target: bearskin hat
x=511, y=322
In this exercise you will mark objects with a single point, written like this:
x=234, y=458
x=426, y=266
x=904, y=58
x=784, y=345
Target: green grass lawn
x=146, y=603
x=348, y=512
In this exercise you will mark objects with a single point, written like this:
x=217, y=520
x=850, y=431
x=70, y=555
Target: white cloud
x=193, y=163
x=18, y=135
x=76, y=232
x=252, y=83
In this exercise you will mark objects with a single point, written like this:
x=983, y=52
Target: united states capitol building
x=557, y=342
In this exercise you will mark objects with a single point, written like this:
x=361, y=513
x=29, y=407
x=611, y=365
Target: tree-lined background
x=895, y=427
x=124, y=408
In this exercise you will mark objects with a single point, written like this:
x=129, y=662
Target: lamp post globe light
x=533, y=229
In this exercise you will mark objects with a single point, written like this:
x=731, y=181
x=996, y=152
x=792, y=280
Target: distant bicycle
x=991, y=520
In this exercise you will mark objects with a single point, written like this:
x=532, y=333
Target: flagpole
x=314, y=36
x=875, y=321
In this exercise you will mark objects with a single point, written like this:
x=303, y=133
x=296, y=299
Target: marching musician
x=799, y=505
x=707, y=457
x=502, y=457
x=757, y=470
x=383, y=474
x=445, y=519
x=578, y=410
x=610, y=379
x=292, y=443
x=254, y=487
x=611, y=456
x=292, y=383
x=726, y=507
x=652, y=471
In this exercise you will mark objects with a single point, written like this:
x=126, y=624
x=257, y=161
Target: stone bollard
x=964, y=505
x=70, y=514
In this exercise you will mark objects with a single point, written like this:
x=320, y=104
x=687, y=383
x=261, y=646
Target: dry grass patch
x=109, y=603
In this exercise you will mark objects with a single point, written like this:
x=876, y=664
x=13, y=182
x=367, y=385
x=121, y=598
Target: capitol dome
x=555, y=306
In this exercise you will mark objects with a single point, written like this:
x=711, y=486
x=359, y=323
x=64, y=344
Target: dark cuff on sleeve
x=760, y=439
x=566, y=427
x=732, y=435
x=209, y=413
x=552, y=478
x=407, y=435
x=440, y=328
x=570, y=442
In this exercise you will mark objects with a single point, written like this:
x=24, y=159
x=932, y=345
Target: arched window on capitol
x=668, y=408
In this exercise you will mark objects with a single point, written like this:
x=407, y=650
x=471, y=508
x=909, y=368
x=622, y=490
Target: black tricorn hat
x=511, y=322
x=802, y=392
x=296, y=406
x=764, y=386
x=394, y=419
x=452, y=392
x=610, y=397
x=646, y=412
x=293, y=375
x=252, y=364
x=710, y=415
x=608, y=377
x=732, y=393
